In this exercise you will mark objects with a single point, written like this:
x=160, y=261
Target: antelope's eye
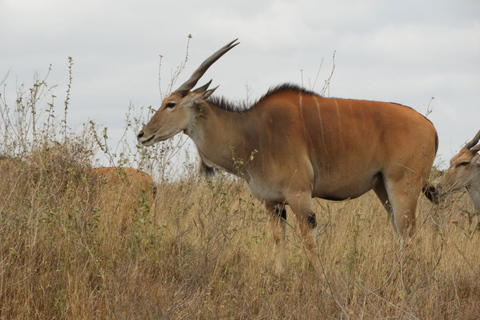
x=463, y=164
x=170, y=105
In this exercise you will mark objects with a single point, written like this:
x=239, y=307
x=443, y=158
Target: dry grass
x=209, y=256
x=206, y=253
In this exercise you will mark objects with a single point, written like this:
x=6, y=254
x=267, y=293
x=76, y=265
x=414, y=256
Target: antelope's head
x=464, y=170
x=177, y=110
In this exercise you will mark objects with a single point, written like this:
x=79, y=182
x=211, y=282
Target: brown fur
x=126, y=188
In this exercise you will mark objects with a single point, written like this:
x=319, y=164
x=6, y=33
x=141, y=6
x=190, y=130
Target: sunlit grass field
x=204, y=251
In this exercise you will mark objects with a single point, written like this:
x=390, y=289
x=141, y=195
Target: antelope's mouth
x=156, y=138
x=148, y=142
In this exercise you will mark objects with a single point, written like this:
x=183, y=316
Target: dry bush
x=59, y=224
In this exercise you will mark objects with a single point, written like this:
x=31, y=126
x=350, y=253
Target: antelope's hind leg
x=403, y=196
x=382, y=195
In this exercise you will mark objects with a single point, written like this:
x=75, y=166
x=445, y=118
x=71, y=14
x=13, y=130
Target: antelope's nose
x=140, y=135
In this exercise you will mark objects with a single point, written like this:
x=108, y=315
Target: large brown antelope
x=292, y=145
x=128, y=188
x=464, y=172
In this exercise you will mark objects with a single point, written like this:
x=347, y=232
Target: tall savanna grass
x=205, y=252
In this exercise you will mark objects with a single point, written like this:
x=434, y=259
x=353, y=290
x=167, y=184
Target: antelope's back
x=135, y=181
x=367, y=135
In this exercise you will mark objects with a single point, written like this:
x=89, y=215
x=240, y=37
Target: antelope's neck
x=221, y=137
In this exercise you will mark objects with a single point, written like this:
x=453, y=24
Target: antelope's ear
x=208, y=93
x=476, y=160
x=204, y=95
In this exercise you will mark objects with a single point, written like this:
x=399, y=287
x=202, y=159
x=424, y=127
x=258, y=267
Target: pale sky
x=396, y=51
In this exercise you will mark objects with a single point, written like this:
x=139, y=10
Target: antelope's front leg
x=278, y=215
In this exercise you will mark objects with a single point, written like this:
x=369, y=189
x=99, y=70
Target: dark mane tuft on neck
x=228, y=105
x=287, y=87
x=225, y=104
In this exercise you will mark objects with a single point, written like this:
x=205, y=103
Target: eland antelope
x=464, y=172
x=130, y=189
x=293, y=144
